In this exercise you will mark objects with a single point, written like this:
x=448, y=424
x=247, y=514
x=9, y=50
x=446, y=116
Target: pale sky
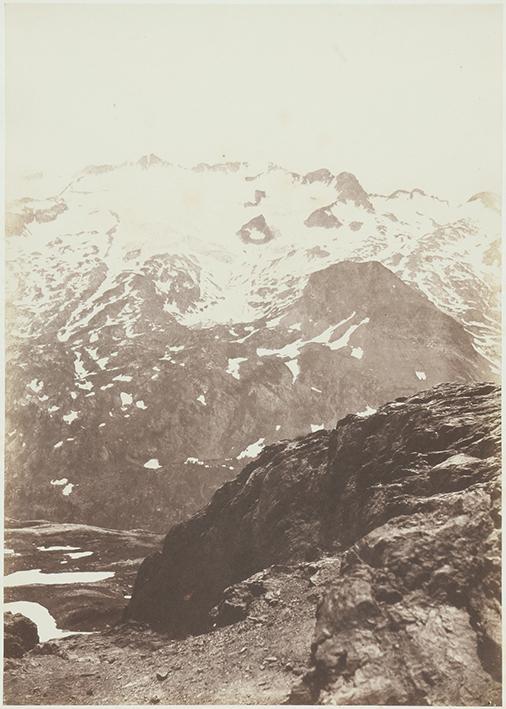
x=402, y=96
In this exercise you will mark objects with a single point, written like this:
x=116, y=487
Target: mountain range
x=166, y=324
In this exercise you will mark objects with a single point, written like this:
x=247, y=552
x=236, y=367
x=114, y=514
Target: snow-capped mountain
x=164, y=324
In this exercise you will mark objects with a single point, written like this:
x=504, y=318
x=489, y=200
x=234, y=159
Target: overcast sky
x=402, y=96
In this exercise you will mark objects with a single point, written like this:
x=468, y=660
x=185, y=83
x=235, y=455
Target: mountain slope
x=164, y=323
x=404, y=507
x=387, y=527
x=174, y=412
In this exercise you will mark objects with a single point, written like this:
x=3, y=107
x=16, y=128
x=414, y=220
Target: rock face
x=404, y=506
x=177, y=410
x=20, y=635
x=323, y=217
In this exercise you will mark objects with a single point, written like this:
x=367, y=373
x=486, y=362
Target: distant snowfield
x=229, y=272
x=36, y=576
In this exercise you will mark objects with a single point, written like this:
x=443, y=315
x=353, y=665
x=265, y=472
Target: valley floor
x=255, y=661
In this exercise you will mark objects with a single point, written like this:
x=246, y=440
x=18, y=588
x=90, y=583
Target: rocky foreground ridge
x=394, y=518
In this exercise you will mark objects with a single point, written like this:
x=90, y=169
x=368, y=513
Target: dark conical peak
x=350, y=189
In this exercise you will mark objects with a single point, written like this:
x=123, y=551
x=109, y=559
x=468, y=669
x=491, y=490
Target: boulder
x=20, y=635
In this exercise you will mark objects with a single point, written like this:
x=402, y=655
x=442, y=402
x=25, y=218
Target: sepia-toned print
x=252, y=354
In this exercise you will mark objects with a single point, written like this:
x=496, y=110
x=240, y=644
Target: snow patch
x=67, y=489
x=72, y=416
x=36, y=576
x=233, y=366
x=202, y=399
x=368, y=411
x=152, y=464
x=126, y=399
x=317, y=427
x=252, y=450
x=357, y=352
x=421, y=376
x=293, y=366
x=79, y=554
x=80, y=369
x=88, y=386
x=36, y=386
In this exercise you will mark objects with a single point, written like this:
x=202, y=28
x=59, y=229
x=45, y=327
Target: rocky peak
x=349, y=189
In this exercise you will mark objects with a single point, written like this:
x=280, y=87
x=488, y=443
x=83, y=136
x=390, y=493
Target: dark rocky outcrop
x=349, y=189
x=406, y=502
x=259, y=196
x=256, y=231
x=322, y=175
x=323, y=217
x=20, y=635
